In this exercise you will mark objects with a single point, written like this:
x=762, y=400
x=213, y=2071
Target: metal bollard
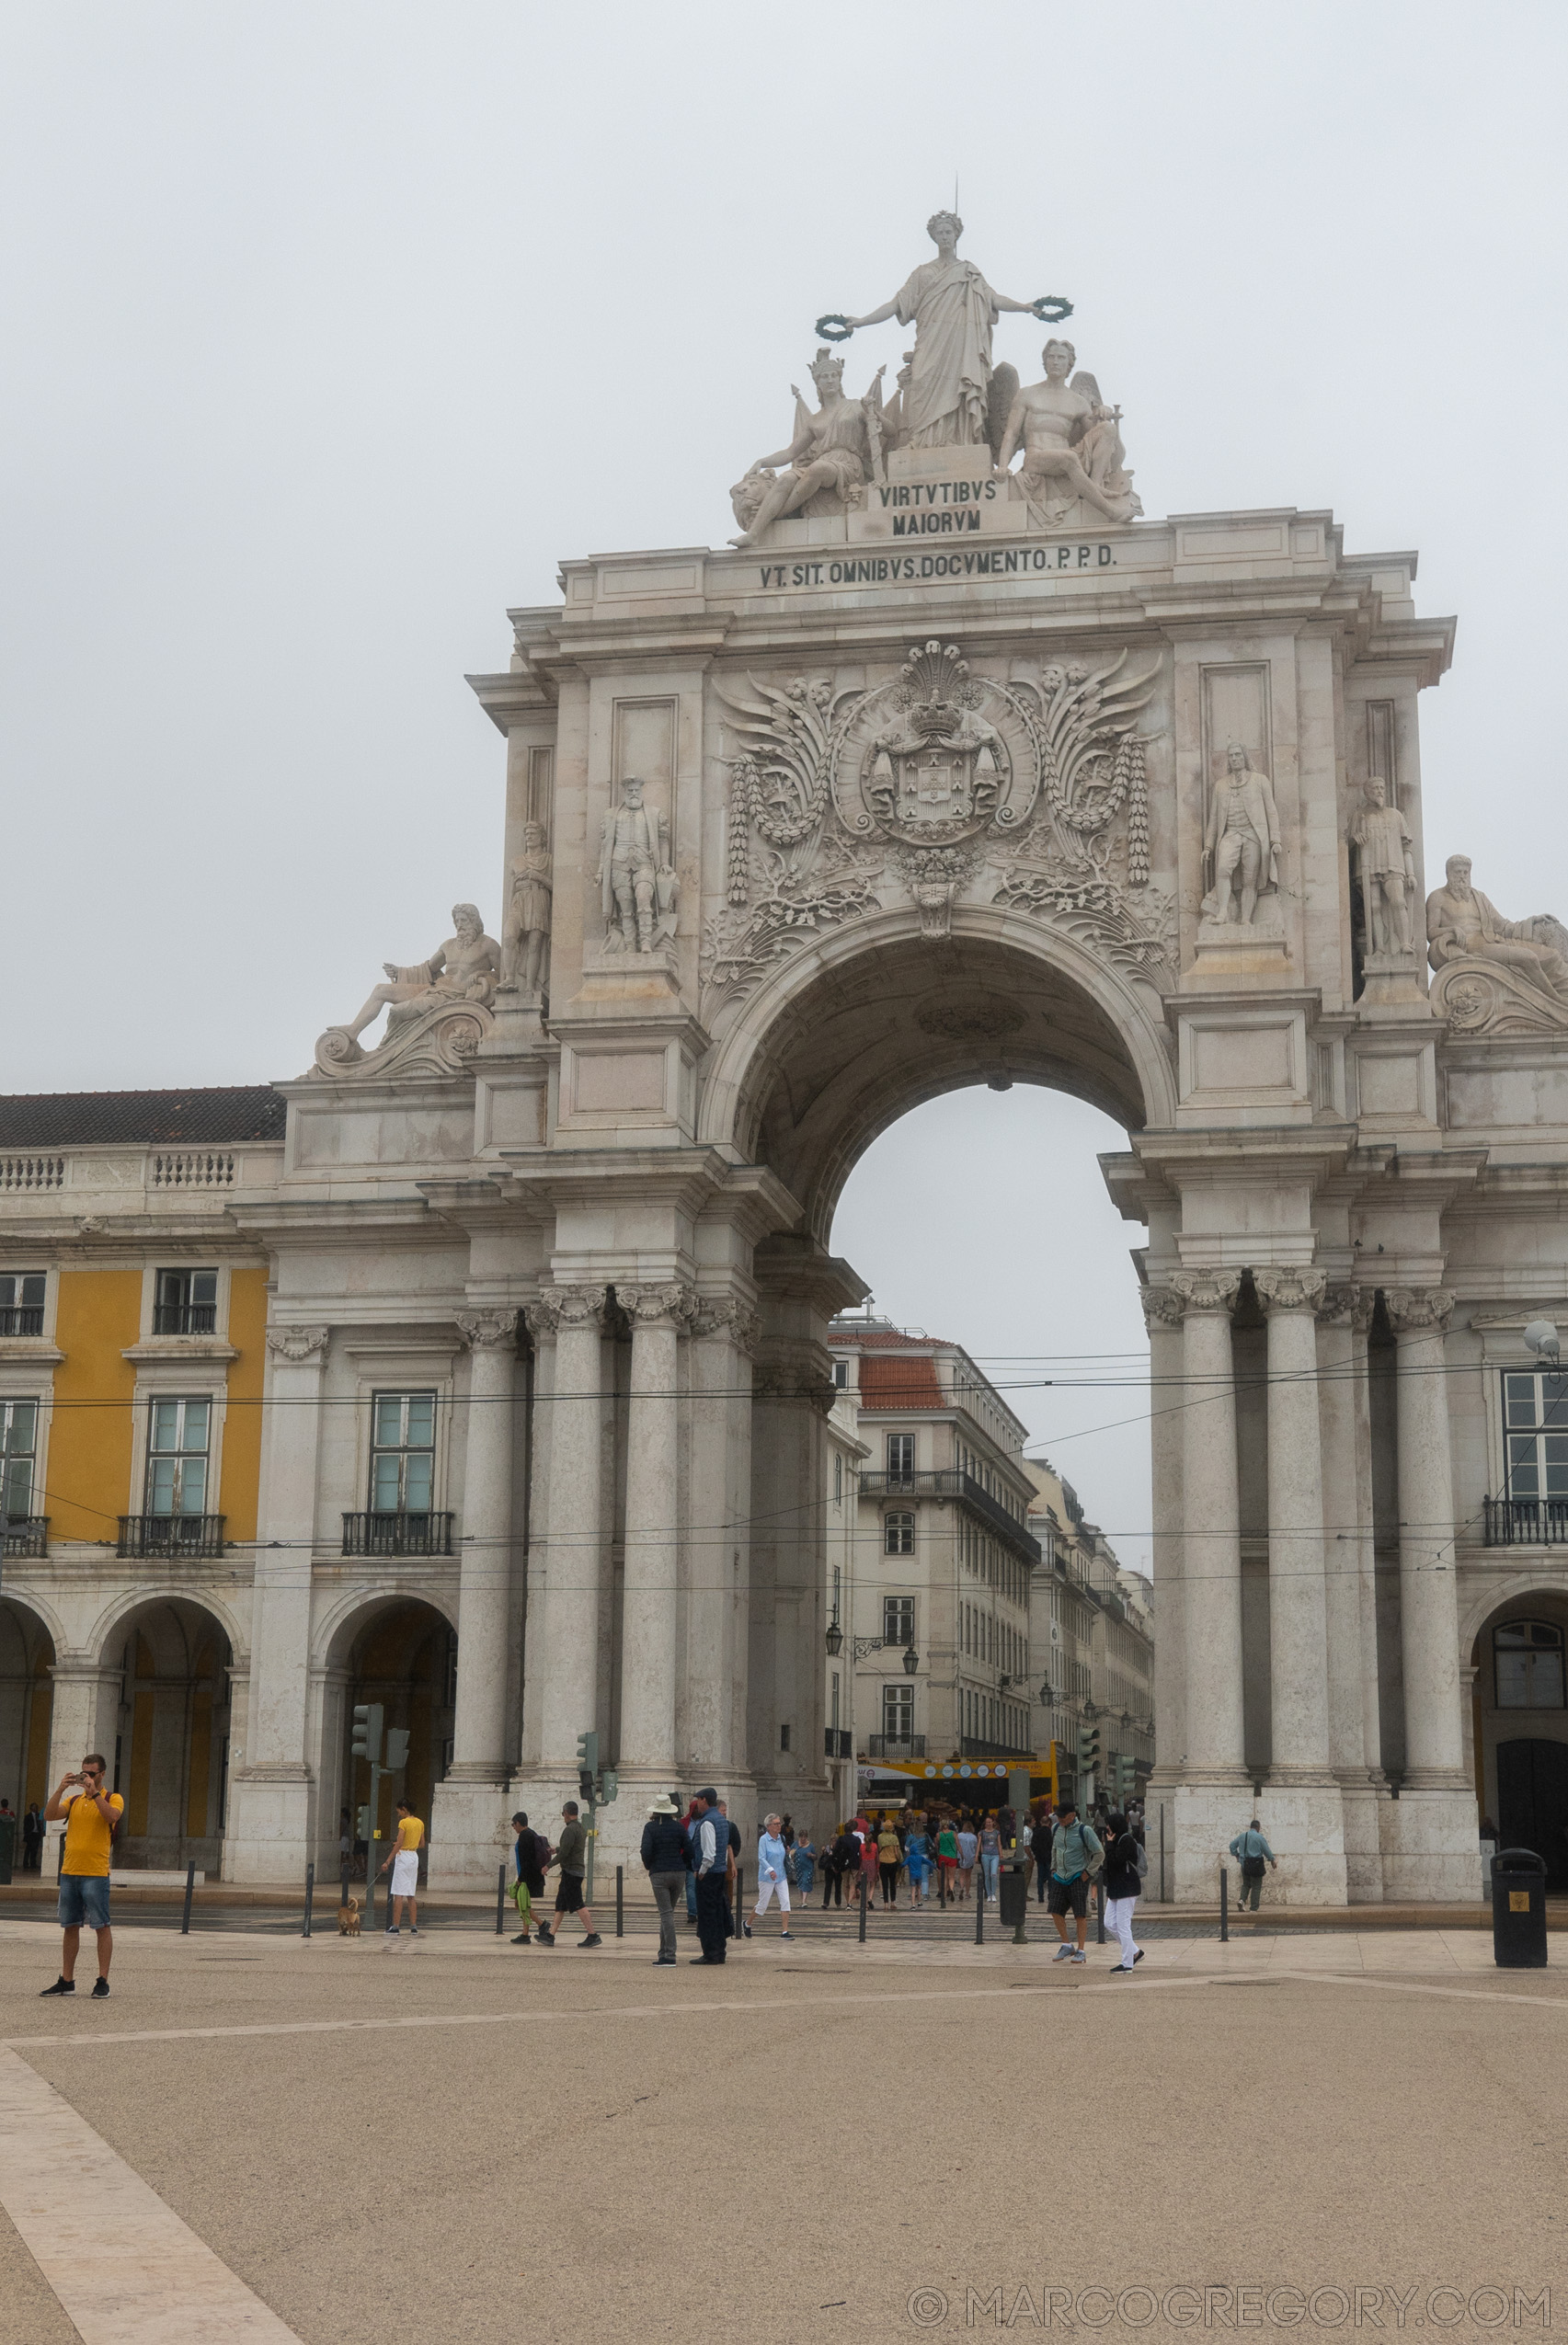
x=1162, y=1856
x=189, y=1893
x=500, y=1899
x=343, y=1886
x=1224, y=1905
x=981, y=1914
x=1099, y=1913
x=310, y=1897
x=619, y=1910
x=738, y=1928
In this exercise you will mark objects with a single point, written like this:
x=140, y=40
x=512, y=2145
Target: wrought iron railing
x=188, y=1536
x=895, y=1747
x=1525, y=1522
x=23, y=1534
x=378, y=1534
x=184, y=1319
x=947, y=1482
x=25, y=1318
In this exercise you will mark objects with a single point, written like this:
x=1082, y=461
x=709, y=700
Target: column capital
x=487, y=1331
x=1416, y=1310
x=1347, y=1305
x=1290, y=1286
x=728, y=1315
x=297, y=1345
x=671, y=1303
x=793, y=1371
x=1162, y=1307
x=1207, y=1291
x=560, y=1307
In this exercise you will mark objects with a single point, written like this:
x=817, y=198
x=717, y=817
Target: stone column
x=1162, y=1309
x=1212, y=1530
x=269, y=1823
x=1363, y=1305
x=659, y=1315
x=712, y=1742
x=484, y=1580
x=573, y=1562
x=1305, y=1820
x=1347, y=1531
x=1432, y=1824
x=1429, y=1633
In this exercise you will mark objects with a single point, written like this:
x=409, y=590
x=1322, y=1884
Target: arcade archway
x=26, y=1701
x=402, y=1653
x=1519, y=1724
x=170, y=1760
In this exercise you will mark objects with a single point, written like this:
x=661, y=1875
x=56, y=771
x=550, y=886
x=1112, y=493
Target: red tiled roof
x=900, y=1384
x=68, y=1118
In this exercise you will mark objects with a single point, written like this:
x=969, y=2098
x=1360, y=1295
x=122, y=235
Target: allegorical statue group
x=949, y=394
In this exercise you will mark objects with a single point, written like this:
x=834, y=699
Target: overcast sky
x=331, y=326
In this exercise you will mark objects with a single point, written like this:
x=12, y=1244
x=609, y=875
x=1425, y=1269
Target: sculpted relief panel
x=939, y=784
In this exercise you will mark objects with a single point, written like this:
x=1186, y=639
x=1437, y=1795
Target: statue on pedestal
x=1072, y=446
x=1387, y=859
x=947, y=401
x=525, y=931
x=1241, y=841
x=462, y=969
x=833, y=452
x=637, y=888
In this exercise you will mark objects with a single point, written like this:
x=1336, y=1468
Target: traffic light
x=1088, y=1750
x=396, y=1749
x=363, y=1826
x=609, y=1786
x=1126, y=1773
x=369, y=1720
x=587, y=1765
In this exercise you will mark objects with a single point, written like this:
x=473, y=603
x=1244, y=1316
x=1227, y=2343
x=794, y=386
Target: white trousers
x=765, y=1889
x=1119, y=1916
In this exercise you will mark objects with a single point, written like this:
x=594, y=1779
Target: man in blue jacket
x=712, y=1868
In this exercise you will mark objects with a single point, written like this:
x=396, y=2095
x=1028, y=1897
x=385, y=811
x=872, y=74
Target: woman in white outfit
x=1121, y=1890
x=771, y=1878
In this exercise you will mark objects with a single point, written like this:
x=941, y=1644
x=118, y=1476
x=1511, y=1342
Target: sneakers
x=747, y=1927
x=660, y=1960
x=592, y=1938
x=786, y=1936
x=63, y=1986
x=1138, y=1956
x=1064, y=1953
x=1079, y=1955
x=523, y=1940
x=546, y=1937
x=392, y=1931
x=100, y=1988
x=413, y=1929
x=709, y=1961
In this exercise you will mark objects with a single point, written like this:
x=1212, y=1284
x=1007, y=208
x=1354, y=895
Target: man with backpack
x=1076, y=1854
x=530, y=1854
x=1252, y=1852
x=1124, y=1868
x=91, y=1817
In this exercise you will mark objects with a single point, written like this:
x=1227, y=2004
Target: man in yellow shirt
x=404, y=1858
x=91, y=1814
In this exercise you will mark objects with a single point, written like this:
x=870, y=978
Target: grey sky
x=332, y=328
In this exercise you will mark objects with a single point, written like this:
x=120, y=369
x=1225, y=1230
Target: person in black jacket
x=666, y=1859
x=1122, y=1884
x=530, y=1854
x=840, y=1863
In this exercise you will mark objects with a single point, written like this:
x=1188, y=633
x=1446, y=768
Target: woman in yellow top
x=889, y=1856
x=91, y=1814
x=404, y=1858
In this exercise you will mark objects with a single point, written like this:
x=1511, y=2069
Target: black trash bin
x=1013, y=1894
x=1518, y=1910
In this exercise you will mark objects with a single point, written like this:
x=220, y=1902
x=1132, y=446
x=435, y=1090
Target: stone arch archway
x=1518, y=1715
x=28, y=1649
x=388, y=1646
x=172, y=1654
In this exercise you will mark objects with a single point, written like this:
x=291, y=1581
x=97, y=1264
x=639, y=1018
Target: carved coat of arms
x=941, y=771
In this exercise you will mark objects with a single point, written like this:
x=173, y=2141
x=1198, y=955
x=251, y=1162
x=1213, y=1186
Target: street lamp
x=835, y=1637
x=912, y=1658
x=1047, y=1696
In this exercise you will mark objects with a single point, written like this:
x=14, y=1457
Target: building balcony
x=1525, y=1522
x=376, y=1534
x=22, y=1320
x=24, y=1535
x=184, y=1319
x=895, y=1747
x=947, y=1481
x=838, y=1743
x=189, y=1535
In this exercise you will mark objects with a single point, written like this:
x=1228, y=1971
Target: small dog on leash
x=349, y=1919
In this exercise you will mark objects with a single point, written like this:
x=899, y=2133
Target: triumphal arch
x=953, y=766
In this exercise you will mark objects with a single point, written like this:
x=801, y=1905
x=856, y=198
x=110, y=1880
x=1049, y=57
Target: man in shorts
x=1075, y=1851
x=404, y=1858
x=90, y=1815
x=572, y=1858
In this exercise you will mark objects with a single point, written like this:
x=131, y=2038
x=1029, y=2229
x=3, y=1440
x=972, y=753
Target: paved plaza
x=256, y=2138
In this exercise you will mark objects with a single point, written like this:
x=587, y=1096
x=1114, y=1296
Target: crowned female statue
x=945, y=402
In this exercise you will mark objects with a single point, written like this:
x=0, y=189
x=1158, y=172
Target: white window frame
x=405, y=1449
x=10, y=1401
x=381, y=1366
x=901, y=1515
x=181, y=1400
x=179, y=1257
x=899, y=1701
x=195, y=1377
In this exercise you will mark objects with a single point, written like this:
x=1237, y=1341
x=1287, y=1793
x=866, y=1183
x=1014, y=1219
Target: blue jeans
x=990, y=1868
x=84, y=1897
x=691, y=1896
